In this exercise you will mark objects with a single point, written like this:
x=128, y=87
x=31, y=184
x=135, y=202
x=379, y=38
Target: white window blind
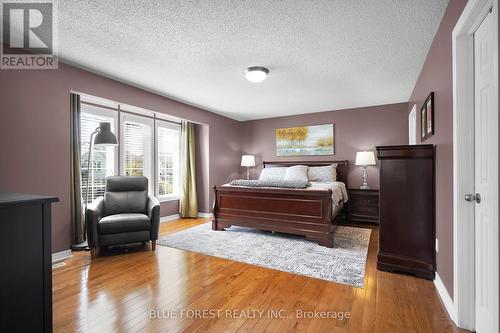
x=168, y=159
x=137, y=143
x=147, y=147
x=102, y=160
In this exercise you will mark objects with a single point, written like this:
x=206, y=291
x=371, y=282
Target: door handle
x=473, y=197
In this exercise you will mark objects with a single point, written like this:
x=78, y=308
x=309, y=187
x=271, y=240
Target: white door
x=486, y=178
x=412, y=126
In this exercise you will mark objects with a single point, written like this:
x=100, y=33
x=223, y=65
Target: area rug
x=344, y=263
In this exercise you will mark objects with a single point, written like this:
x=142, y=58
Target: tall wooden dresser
x=25, y=249
x=407, y=197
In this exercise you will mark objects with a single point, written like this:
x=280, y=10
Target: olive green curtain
x=77, y=218
x=189, y=203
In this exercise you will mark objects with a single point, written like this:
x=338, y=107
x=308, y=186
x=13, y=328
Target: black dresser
x=26, y=273
x=407, y=226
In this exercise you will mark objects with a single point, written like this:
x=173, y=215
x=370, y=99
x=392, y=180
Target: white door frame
x=412, y=126
x=475, y=11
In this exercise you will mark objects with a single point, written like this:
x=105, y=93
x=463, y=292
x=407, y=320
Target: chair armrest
x=95, y=210
x=154, y=216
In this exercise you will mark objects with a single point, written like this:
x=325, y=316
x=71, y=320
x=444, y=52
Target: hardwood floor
x=118, y=291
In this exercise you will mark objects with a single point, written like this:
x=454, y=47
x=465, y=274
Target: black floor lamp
x=103, y=137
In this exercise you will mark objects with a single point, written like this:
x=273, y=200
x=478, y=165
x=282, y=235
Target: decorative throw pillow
x=322, y=174
x=296, y=173
x=277, y=173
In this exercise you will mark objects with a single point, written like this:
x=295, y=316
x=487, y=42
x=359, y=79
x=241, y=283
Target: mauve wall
x=355, y=130
x=34, y=134
x=436, y=75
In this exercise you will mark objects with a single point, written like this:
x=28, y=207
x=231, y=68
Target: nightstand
x=363, y=205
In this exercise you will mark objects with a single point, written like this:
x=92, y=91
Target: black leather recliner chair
x=126, y=214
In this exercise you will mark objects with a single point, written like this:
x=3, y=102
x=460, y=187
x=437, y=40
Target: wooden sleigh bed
x=302, y=212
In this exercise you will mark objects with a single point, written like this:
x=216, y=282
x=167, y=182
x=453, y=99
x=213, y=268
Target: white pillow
x=277, y=173
x=322, y=174
x=296, y=173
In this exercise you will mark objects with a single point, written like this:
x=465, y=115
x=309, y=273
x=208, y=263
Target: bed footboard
x=301, y=212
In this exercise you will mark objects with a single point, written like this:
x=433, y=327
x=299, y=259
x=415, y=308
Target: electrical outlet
x=437, y=245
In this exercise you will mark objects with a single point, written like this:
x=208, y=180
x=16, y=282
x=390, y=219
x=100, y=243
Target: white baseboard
x=446, y=298
x=177, y=216
x=60, y=256
x=169, y=218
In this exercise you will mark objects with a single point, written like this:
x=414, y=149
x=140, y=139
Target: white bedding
x=339, y=191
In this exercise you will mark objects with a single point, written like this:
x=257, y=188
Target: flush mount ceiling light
x=256, y=74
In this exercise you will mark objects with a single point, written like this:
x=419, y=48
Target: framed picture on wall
x=427, y=117
x=305, y=140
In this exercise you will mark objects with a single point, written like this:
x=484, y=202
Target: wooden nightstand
x=363, y=205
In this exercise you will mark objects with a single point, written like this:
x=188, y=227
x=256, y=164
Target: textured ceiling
x=323, y=55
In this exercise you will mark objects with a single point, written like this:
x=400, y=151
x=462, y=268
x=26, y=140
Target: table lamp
x=365, y=158
x=248, y=161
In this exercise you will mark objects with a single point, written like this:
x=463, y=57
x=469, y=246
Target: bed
x=310, y=212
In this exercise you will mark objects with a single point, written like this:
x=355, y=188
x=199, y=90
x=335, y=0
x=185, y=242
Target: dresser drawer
x=362, y=200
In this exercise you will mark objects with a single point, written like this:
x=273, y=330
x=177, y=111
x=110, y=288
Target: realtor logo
x=28, y=35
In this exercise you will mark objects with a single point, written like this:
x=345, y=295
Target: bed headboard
x=341, y=166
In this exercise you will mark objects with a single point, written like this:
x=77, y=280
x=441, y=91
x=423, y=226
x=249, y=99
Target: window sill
x=166, y=199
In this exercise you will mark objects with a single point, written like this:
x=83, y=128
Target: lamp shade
x=247, y=161
x=105, y=137
x=365, y=158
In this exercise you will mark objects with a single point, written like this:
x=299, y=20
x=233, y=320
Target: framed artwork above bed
x=305, y=140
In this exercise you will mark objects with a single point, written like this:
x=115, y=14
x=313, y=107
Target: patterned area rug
x=344, y=263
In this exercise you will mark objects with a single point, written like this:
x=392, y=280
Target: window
x=147, y=147
x=103, y=159
x=137, y=146
x=168, y=159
